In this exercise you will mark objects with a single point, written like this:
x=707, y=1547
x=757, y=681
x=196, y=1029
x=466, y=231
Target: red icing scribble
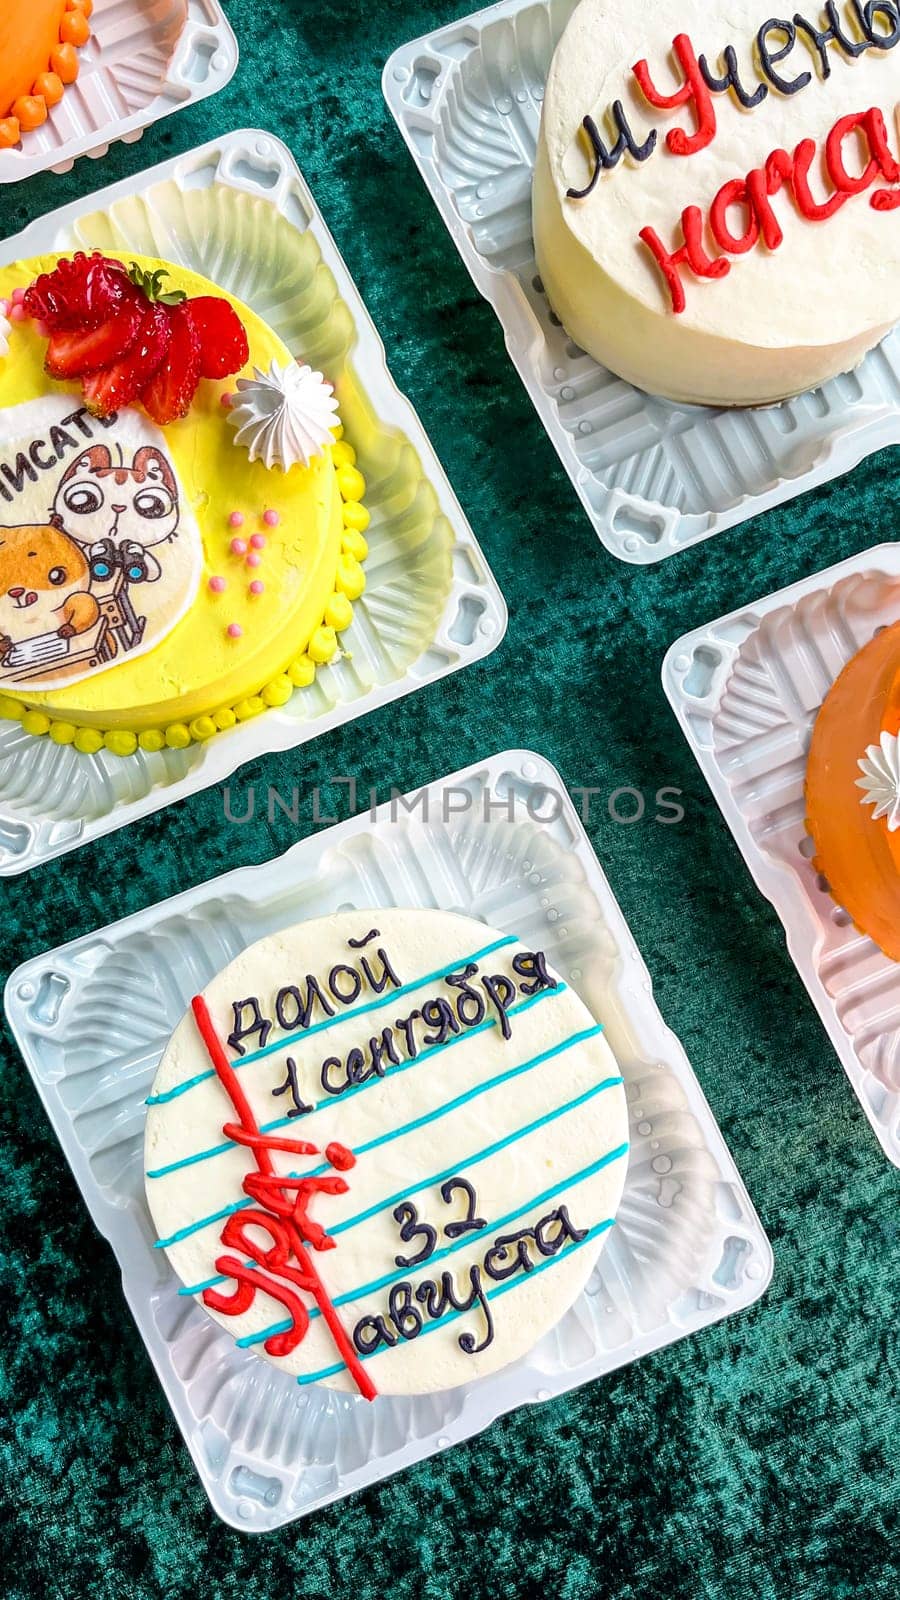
x=692, y=254
x=694, y=90
x=736, y=193
x=754, y=194
x=284, y=1217
x=881, y=163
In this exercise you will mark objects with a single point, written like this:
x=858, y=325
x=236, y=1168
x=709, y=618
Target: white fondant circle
x=100, y=552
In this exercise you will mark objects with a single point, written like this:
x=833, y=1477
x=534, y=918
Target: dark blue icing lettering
x=348, y=992
x=259, y=1025
x=604, y=157
x=731, y=79
x=292, y=1087
x=769, y=58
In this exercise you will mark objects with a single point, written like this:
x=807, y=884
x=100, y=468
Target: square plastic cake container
x=746, y=690
x=142, y=62
x=431, y=603
x=502, y=842
x=653, y=477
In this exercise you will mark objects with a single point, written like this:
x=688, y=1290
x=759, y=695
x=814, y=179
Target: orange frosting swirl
x=38, y=44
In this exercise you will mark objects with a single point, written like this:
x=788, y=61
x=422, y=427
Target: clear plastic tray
x=687, y=1250
x=142, y=63
x=239, y=211
x=746, y=690
x=653, y=477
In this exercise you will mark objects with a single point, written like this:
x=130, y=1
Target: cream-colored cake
x=781, y=315
x=469, y=1139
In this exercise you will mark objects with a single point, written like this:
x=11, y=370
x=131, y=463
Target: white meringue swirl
x=284, y=416
x=5, y=331
x=880, y=767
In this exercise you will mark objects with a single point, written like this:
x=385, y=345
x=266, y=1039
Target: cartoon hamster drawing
x=44, y=577
x=117, y=512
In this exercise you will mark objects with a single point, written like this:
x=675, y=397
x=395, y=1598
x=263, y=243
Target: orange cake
x=853, y=790
x=39, y=44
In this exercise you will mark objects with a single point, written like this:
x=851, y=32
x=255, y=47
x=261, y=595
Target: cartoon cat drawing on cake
x=116, y=512
x=44, y=595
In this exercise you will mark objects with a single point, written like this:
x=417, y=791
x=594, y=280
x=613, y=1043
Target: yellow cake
x=243, y=573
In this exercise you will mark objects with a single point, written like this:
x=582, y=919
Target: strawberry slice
x=223, y=340
x=74, y=351
x=113, y=387
x=170, y=391
x=81, y=293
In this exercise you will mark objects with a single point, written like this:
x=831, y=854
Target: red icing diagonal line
x=257, y=1141
x=272, y=1191
x=225, y=1072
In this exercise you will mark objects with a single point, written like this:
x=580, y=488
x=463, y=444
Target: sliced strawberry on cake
x=121, y=384
x=171, y=390
x=80, y=293
x=74, y=351
x=223, y=339
x=131, y=337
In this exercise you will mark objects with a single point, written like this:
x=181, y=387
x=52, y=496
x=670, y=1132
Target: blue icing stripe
x=210, y=1283
x=472, y=1094
x=341, y=1227
x=217, y=1216
x=347, y=1094
x=490, y=1294
x=331, y=1022
x=467, y=1162
x=466, y=1240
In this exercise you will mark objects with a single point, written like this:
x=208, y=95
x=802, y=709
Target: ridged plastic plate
x=687, y=1249
x=653, y=477
x=746, y=690
x=238, y=211
x=142, y=63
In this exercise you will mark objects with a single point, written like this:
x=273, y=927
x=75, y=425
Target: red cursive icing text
x=693, y=92
x=285, y=1268
x=751, y=197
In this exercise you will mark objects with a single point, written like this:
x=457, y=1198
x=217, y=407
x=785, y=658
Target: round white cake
x=742, y=244
x=385, y=1149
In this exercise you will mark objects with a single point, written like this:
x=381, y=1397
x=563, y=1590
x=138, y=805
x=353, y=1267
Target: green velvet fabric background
x=754, y=1462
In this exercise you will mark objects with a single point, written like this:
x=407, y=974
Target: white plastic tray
x=687, y=1250
x=239, y=211
x=653, y=477
x=746, y=690
x=143, y=62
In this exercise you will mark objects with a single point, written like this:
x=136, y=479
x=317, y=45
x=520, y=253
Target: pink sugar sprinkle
x=18, y=295
x=234, y=630
x=257, y=586
x=226, y=400
x=253, y=560
x=238, y=547
x=258, y=541
x=271, y=519
x=218, y=585
x=236, y=520
x=17, y=313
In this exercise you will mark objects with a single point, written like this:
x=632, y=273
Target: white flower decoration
x=5, y=331
x=880, y=782
x=284, y=416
